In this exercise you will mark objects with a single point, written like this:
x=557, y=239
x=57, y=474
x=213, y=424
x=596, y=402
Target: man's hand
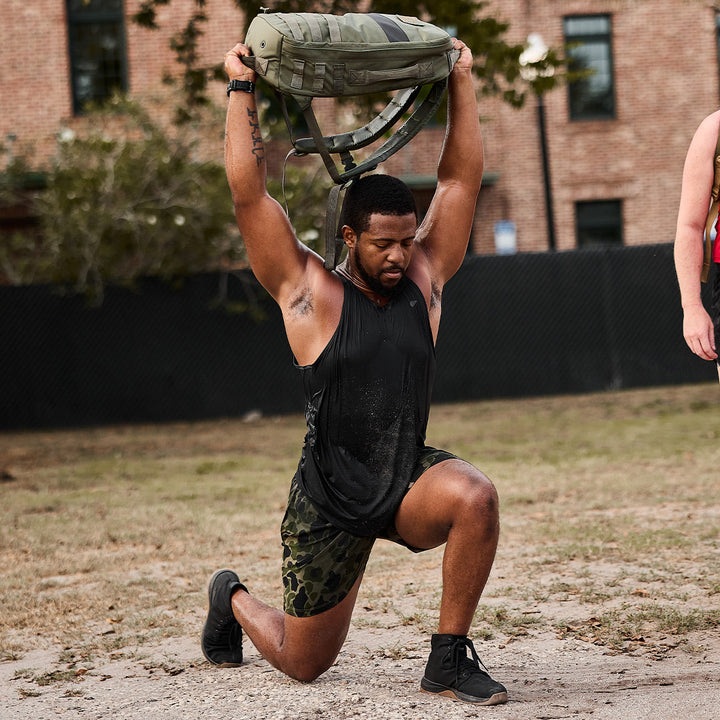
x=699, y=332
x=465, y=61
x=234, y=67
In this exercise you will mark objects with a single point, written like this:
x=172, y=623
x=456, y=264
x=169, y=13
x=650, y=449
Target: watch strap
x=243, y=85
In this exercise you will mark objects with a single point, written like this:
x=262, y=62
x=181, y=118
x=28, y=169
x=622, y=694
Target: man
x=697, y=181
x=363, y=339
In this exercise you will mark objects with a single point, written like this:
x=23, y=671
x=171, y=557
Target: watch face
x=244, y=85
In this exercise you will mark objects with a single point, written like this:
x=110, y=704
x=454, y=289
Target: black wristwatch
x=244, y=85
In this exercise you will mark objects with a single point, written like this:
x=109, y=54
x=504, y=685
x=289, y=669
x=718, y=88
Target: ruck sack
x=318, y=55
x=308, y=55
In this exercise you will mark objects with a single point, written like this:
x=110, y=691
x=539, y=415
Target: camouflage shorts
x=322, y=563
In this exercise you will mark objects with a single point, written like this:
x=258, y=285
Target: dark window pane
x=97, y=50
x=598, y=222
x=587, y=25
x=592, y=97
x=93, y=7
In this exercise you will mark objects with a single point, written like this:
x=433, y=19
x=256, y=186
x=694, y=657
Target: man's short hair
x=370, y=194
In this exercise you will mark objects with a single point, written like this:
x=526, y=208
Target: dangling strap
x=345, y=143
x=333, y=239
x=712, y=214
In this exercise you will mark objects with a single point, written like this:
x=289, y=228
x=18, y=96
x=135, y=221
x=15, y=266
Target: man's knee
x=476, y=497
x=308, y=668
x=311, y=645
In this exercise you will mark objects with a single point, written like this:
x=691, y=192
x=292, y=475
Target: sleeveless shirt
x=367, y=401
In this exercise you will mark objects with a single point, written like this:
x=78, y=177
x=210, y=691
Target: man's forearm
x=244, y=148
x=462, y=155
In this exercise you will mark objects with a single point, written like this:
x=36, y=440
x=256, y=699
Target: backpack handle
x=367, y=134
x=343, y=144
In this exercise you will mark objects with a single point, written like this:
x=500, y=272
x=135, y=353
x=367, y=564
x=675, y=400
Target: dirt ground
x=551, y=669
x=546, y=677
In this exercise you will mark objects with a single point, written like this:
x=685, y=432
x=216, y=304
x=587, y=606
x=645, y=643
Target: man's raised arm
x=447, y=226
x=276, y=257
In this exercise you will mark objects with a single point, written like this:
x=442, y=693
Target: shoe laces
x=465, y=666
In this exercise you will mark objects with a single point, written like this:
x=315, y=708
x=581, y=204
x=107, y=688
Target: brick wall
x=35, y=88
x=666, y=79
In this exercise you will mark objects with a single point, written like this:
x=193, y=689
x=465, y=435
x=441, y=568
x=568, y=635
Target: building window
x=598, y=222
x=98, y=61
x=589, y=49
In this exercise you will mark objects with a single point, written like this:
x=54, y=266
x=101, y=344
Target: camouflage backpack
x=309, y=55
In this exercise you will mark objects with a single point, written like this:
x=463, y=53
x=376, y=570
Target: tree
x=123, y=204
x=127, y=199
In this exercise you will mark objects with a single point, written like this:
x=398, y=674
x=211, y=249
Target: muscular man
x=363, y=340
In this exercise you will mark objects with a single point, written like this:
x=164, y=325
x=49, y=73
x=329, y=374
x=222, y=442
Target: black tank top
x=367, y=405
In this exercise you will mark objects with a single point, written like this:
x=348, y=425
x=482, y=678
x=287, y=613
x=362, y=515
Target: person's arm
x=276, y=257
x=446, y=229
x=688, y=251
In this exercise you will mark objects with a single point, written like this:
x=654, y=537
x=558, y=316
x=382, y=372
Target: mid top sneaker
x=221, y=640
x=451, y=673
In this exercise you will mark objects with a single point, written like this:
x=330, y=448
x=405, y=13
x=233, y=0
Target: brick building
x=615, y=156
x=54, y=54
x=615, y=143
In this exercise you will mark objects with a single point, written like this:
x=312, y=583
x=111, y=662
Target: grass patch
x=616, y=629
x=609, y=515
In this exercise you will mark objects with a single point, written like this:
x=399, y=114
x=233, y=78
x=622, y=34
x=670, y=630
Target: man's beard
x=373, y=283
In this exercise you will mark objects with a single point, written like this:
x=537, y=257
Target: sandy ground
x=546, y=677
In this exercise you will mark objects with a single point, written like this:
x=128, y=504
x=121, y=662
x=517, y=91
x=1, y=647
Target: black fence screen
x=528, y=324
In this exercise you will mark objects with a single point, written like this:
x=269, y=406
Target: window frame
x=604, y=38
x=581, y=228
x=94, y=16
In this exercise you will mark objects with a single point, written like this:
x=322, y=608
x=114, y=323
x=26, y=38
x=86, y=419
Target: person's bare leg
x=454, y=503
x=302, y=648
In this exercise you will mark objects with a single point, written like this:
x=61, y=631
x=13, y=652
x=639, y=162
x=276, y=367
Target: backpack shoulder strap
x=712, y=213
x=343, y=144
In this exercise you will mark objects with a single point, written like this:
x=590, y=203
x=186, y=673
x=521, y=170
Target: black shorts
x=320, y=562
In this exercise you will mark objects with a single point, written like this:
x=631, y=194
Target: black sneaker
x=451, y=673
x=221, y=640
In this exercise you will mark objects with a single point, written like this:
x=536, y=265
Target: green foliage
x=18, y=187
x=304, y=198
x=127, y=200
x=16, y=178
x=125, y=203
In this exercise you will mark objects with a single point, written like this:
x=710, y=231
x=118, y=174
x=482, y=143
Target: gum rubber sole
x=435, y=689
